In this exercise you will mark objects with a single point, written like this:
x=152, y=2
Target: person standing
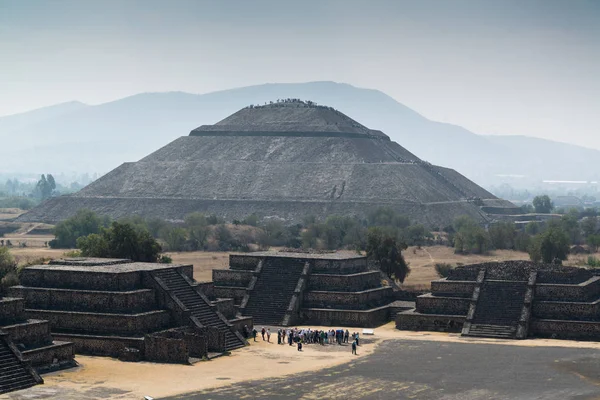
x=354, y=347
x=278, y=336
x=262, y=332
x=283, y=336
x=346, y=336
x=269, y=335
x=254, y=333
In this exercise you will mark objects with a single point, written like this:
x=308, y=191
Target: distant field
x=422, y=261
x=9, y=213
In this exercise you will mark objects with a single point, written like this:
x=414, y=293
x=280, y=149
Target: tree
x=470, y=237
x=589, y=225
x=542, y=204
x=83, y=223
x=120, y=241
x=594, y=242
x=387, y=252
x=8, y=270
x=550, y=246
x=45, y=186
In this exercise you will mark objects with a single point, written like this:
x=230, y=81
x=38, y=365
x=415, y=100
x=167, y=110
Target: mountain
x=98, y=138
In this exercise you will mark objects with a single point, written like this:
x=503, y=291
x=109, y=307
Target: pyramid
x=287, y=160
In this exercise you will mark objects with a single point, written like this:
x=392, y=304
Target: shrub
x=443, y=269
x=593, y=262
x=164, y=259
x=83, y=223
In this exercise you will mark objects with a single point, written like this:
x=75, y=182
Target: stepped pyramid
x=288, y=159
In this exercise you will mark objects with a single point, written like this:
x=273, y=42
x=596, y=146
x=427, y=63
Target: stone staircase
x=273, y=292
x=498, y=309
x=198, y=305
x=15, y=374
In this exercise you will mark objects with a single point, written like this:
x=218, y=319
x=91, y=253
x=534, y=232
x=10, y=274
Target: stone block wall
x=227, y=277
x=368, y=318
x=225, y=307
x=127, y=324
x=566, y=310
x=229, y=292
x=344, y=283
x=565, y=329
x=31, y=333
x=166, y=350
x=86, y=300
x=348, y=300
x=50, y=278
x=444, y=287
x=429, y=304
x=243, y=262
x=413, y=321
x=11, y=310
x=587, y=290
x=108, y=346
x=336, y=266
x=45, y=356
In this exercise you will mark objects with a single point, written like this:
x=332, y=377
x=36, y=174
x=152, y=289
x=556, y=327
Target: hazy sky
x=496, y=67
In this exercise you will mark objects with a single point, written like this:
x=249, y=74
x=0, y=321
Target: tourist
x=269, y=335
x=278, y=336
x=254, y=333
x=346, y=336
x=357, y=339
x=246, y=332
x=354, y=344
x=290, y=338
x=262, y=332
x=283, y=336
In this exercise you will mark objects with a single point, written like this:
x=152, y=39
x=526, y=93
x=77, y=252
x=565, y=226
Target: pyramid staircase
x=273, y=292
x=15, y=373
x=498, y=308
x=186, y=292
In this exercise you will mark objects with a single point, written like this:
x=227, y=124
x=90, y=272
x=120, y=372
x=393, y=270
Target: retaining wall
x=86, y=300
x=367, y=318
x=228, y=277
x=11, y=310
x=430, y=304
x=97, y=345
x=344, y=283
x=413, y=321
x=103, y=323
x=344, y=300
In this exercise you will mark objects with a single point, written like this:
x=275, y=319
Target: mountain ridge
x=92, y=138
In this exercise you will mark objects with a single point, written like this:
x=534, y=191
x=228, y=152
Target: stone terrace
x=114, y=307
x=325, y=289
x=555, y=301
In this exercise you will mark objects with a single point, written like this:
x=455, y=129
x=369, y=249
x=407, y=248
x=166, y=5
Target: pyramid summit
x=288, y=117
x=286, y=159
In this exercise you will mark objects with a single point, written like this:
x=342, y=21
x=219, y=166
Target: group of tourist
x=307, y=336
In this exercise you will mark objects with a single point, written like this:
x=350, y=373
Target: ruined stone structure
x=289, y=159
x=513, y=299
x=26, y=348
x=280, y=288
x=128, y=310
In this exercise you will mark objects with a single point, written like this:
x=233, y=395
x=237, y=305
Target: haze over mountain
x=74, y=137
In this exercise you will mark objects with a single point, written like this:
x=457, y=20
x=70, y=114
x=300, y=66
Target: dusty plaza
x=390, y=365
x=142, y=329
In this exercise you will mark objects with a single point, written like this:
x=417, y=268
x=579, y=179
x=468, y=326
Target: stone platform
x=325, y=289
x=113, y=307
x=555, y=301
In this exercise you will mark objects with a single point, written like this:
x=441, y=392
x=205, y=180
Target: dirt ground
x=422, y=262
x=106, y=378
